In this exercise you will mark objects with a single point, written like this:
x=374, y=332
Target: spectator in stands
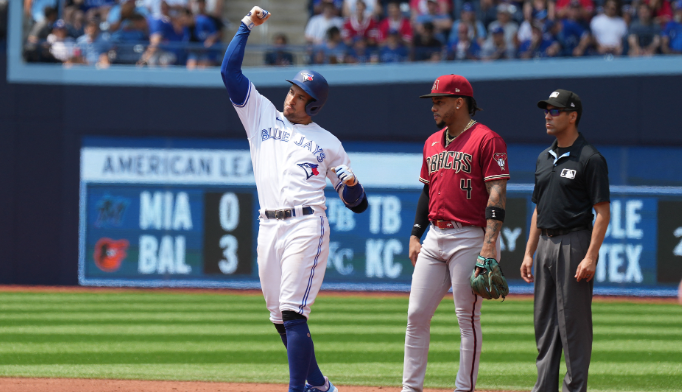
x=504, y=20
x=463, y=47
x=75, y=21
x=207, y=32
x=532, y=7
x=132, y=31
x=426, y=47
x=359, y=25
x=586, y=9
x=332, y=50
x=93, y=46
x=395, y=22
x=609, y=29
x=574, y=37
x=35, y=9
x=644, y=37
x=495, y=47
x=42, y=29
x=394, y=51
x=477, y=30
x=318, y=6
x=672, y=34
x=442, y=22
x=121, y=12
x=62, y=46
x=540, y=45
x=661, y=11
x=372, y=8
x=525, y=32
x=318, y=25
x=360, y=53
x=166, y=36
x=279, y=54
x=421, y=7
x=176, y=7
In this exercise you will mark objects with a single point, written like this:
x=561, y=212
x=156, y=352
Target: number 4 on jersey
x=465, y=185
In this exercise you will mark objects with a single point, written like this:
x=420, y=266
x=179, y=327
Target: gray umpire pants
x=562, y=312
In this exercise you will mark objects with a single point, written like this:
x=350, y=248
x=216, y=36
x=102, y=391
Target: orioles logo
x=501, y=159
x=307, y=77
x=110, y=253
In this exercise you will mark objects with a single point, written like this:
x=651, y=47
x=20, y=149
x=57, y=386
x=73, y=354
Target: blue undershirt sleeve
x=231, y=70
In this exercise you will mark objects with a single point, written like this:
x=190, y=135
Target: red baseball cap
x=450, y=85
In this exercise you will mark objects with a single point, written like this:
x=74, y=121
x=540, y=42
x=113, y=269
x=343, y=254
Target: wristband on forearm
x=495, y=213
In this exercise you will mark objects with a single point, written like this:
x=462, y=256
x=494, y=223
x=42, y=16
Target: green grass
x=215, y=337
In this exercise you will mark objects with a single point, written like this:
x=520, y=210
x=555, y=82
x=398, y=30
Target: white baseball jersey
x=290, y=161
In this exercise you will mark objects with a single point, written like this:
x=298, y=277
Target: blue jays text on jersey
x=284, y=136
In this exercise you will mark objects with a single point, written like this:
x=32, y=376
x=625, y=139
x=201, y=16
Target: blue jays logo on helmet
x=316, y=86
x=309, y=168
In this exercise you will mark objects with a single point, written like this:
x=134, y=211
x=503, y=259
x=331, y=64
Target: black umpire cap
x=563, y=99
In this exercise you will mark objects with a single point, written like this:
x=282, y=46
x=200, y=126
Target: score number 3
x=229, y=220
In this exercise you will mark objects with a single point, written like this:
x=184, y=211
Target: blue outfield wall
x=183, y=213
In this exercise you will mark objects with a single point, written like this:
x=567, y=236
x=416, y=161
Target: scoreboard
x=184, y=213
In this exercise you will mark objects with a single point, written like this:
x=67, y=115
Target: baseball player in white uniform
x=292, y=157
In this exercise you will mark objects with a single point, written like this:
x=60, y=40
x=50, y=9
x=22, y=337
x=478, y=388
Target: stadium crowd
x=189, y=32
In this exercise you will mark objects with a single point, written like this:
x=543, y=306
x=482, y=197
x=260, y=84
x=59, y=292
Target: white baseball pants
x=292, y=260
x=447, y=258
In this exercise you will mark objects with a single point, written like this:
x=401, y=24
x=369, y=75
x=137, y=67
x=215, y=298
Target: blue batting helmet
x=316, y=86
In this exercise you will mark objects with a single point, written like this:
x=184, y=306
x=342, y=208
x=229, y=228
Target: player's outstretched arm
x=351, y=192
x=231, y=69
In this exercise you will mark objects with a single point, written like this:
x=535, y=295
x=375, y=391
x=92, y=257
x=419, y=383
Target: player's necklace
x=449, y=139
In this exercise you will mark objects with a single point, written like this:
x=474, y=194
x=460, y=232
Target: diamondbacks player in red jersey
x=465, y=175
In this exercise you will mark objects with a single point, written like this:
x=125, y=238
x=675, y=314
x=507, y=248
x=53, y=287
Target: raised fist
x=256, y=17
x=346, y=175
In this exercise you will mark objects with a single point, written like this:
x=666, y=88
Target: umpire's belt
x=286, y=214
x=448, y=224
x=558, y=232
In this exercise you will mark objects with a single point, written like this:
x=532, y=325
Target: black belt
x=285, y=214
x=557, y=232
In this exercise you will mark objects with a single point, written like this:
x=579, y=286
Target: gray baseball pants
x=446, y=260
x=562, y=312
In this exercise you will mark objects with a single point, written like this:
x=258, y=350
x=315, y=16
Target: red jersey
x=367, y=29
x=402, y=26
x=457, y=174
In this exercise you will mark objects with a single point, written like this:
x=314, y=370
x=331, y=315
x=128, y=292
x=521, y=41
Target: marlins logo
x=310, y=169
x=110, y=253
x=307, y=77
x=501, y=159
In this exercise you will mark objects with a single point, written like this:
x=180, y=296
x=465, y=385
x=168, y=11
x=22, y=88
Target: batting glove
x=256, y=17
x=346, y=175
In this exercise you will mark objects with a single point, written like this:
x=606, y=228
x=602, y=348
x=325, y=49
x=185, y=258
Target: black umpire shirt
x=568, y=182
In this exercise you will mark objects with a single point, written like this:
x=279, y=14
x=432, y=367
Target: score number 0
x=229, y=220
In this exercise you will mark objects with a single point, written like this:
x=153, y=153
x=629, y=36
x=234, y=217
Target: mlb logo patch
x=568, y=173
x=307, y=77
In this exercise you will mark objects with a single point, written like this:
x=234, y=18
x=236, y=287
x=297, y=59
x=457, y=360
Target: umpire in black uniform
x=571, y=178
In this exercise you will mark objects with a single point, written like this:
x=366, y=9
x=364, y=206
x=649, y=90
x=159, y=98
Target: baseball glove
x=490, y=283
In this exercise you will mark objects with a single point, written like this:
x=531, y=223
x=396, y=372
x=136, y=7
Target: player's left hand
x=488, y=253
x=346, y=175
x=586, y=269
